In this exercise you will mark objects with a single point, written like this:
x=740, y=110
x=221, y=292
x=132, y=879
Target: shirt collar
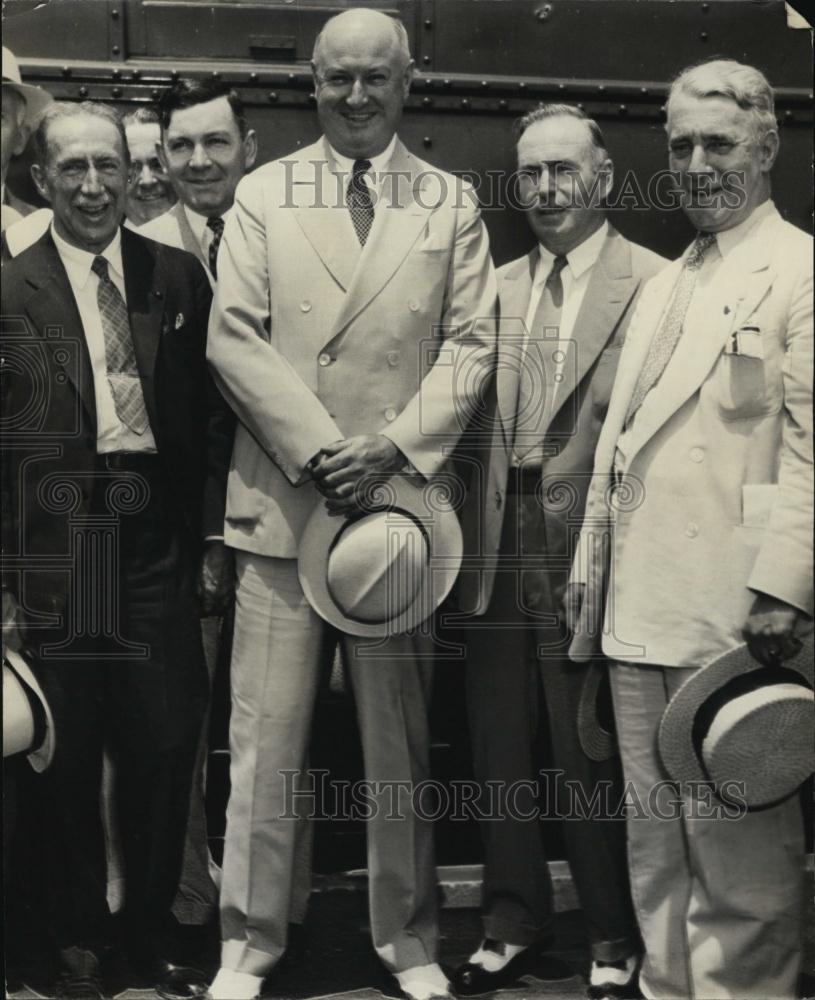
x=728, y=239
x=198, y=222
x=579, y=260
x=345, y=165
x=78, y=262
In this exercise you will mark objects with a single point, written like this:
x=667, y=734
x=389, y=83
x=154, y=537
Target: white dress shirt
x=374, y=176
x=696, y=319
x=111, y=433
x=575, y=278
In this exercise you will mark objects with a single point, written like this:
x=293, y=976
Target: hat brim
x=676, y=744
x=596, y=742
x=44, y=754
x=399, y=493
x=36, y=101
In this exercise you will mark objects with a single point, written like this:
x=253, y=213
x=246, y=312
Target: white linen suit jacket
x=173, y=228
x=718, y=502
x=313, y=338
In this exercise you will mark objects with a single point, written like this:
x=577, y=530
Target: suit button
x=692, y=530
x=324, y=360
x=393, y=359
x=413, y=305
x=305, y=306
x=697, y=454
x=390, y=414
x=497, y=499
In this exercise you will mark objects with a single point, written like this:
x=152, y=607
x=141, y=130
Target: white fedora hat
x=36, y=99
x=736, y=721
x=19, y=687
x=385, y=571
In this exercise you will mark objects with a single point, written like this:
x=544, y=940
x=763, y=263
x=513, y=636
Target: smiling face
x=563, y=179
x=205, y=155
x=723, y=165
x=362, y=79
x=85, y=179
x=149, y=192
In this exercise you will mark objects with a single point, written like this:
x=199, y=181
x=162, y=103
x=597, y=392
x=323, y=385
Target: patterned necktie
x=120, y=358
x=216, y=224
x=667, y=337
x=358, y=200
x=536, y=390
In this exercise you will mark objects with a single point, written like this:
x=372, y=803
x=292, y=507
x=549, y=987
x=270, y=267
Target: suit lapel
x=400, y=216
x=52, y=308
x=515, y=289
x=319, y=196
x=611, y=286
x=742, y=281
x=145, y=286
x=188, y=239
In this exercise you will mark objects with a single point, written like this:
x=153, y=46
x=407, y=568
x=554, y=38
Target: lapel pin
x=727, y=310
x=179, y=321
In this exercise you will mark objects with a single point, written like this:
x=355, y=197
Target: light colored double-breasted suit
x=714, y=504
x=517, y=557
x=313, y=339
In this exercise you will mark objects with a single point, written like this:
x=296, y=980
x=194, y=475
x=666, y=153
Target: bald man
x=309, y=300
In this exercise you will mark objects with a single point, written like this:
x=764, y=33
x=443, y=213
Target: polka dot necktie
x=120, y=358
x=358, y=200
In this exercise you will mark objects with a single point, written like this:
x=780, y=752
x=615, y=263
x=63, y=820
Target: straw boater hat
x=595, y=716
x=387, y=570
x=738, y=721
x=20, y=688
x=36, y=99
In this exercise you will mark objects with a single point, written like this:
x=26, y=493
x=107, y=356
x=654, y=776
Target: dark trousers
x=140, y=686
x=516, y=660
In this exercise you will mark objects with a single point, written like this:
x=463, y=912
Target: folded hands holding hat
x=339, y=468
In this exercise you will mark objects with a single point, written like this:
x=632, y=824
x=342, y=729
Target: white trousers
x=719, y=901
x=277, y=651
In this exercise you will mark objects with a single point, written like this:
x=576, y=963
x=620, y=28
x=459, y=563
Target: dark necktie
x=667, y=337
x=358, y=200
x=216, y=224
x=120, y=358
x=537, y=390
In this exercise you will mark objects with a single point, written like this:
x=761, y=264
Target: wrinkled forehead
x=691, y=116
x=559, y=139
x=349, y=49
x=83, y=137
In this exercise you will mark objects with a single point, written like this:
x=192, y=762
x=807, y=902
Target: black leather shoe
x=179, y=982
x=613, y=990
x=470, y=980
x=76, y=986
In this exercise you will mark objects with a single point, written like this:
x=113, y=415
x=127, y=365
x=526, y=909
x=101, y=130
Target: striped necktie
x=216, y=224
x=120, y=358
x=358, y=200
x=667, y=337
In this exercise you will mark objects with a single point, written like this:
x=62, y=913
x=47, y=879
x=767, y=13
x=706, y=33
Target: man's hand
x=216, y=580
x=768, y=630
x=572, y=603
x=341, y=467
x=13, y=623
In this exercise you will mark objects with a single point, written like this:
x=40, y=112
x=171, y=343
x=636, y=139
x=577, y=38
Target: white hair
x=745, y=85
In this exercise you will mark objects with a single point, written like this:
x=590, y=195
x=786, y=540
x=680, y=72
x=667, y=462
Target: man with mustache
x=206, y=148
x=710, y=429
x=352, y=330
x=149, y=191
x=103, y=332
x=574, y=295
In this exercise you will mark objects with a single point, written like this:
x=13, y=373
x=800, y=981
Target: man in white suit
x=702, y=497
x=352, y=329
x=206, y=148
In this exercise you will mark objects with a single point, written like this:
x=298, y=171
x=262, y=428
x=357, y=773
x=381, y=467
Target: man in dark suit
x=564, y=308
x=116, y=447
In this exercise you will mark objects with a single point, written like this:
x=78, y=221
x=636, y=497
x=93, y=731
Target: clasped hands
x=340, y=468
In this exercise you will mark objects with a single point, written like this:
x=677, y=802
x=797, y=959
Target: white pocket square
x=179, y=321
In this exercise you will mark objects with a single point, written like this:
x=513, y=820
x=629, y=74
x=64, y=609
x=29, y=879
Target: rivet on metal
x=272, y=96
x=703, y=36
x=427, y=102
x=427, y=142
x=428, y=23
x=115, y=50
x=66, y=70
x=116, y=92
x=114, y=13
x=465, y=103
x=426, y=60
x=503, y=105
x=83, y=91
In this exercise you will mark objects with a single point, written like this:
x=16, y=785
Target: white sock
x=605, y=974
x=232, y=985
x=494, y=961
x=424, y=981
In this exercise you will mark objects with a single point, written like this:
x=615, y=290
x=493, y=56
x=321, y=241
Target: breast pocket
x=748, y=378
